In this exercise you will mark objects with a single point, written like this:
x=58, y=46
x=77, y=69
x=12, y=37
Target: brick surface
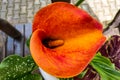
x=48, y=1
x=104, y=9
x=36, y=8
x=30, y=13
x=16, y=0
x=23, y=2
x=98, y=7
x=23, y=11
x=16, y=14
x=3, y=7
x=113, y=5
x=4, y=1
x=3, y=15
x=43, y=3
x=17, y=6
x=37, y=2
x=0, y=6
x=10, y=11
x=9, y=17
x=118, y=2
x=10, y=3
x=15, y=21
x=30, y=5
x=23, y=18
x=29, y=20
x=105, y=3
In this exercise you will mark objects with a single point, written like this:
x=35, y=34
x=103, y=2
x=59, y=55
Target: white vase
x=47, y=76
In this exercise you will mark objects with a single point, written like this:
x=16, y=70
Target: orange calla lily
x=65, y=39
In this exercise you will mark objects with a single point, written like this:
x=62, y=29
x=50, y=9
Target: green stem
x=79, y=2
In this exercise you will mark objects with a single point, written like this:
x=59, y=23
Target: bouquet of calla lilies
x=66, y=44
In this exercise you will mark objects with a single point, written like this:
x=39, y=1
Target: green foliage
x=79, y=2
x=28, y=42
x=18, y=68
x=105, y=68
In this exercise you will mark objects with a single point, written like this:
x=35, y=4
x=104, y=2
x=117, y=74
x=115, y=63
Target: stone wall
x=22, y=11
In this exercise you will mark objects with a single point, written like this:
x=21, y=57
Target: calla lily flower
x=65, y=39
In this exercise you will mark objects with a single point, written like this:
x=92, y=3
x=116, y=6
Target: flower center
x=52, y=43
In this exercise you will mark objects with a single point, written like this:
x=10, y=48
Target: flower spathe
x=81, y=35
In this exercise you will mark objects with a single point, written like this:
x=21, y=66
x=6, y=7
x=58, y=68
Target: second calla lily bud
x=65, y=39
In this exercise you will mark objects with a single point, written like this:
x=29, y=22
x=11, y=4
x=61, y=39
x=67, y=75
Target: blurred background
x=22, y=11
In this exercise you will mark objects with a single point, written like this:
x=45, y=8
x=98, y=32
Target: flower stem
x=78, y=2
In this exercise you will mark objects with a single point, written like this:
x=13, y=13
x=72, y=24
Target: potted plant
x=66, y=44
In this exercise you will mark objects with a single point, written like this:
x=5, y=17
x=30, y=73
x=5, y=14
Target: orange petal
x=82, y=36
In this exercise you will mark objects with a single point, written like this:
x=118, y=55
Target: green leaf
x=82, y=74
x=18, y=68
x=30, y=77
x=78, y=2
x=28, y=42
x=111, y=50
x=105, y=68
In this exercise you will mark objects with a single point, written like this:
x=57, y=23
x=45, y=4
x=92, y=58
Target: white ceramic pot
x=47, y=76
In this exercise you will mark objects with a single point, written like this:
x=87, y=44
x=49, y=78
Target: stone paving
x=104, y=9
x=22, y=11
